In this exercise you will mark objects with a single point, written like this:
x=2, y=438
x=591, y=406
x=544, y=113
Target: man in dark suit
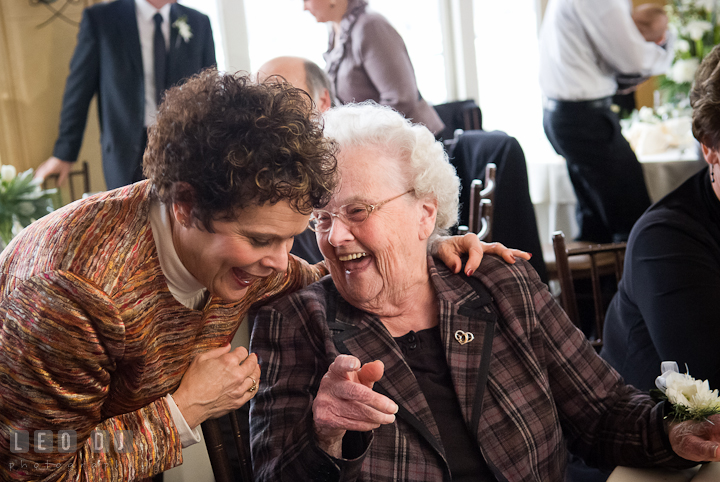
x=128, y=52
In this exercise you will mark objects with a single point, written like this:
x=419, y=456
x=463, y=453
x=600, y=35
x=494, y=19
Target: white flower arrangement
x=683, y=70
x=183, y=27
x=652, y=131
x=690, y=399
x=647, y=114
x=695, y=22
x=696, y=29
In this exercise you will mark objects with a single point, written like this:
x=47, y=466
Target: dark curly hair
x=705, y=101
x=238, y=143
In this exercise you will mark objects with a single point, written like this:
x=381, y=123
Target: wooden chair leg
x=216, y=451
x=243, y=456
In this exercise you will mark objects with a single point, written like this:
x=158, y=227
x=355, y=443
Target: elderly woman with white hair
x=394, y=368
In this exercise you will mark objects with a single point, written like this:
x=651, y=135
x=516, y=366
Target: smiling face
x=240, y=252
x=376, y=265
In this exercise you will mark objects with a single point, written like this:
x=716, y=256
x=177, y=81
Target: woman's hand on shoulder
x=450, y=249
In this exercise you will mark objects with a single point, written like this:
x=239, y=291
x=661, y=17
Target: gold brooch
x=463, y=337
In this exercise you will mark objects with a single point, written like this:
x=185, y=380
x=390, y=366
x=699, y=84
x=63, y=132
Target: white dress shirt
x=146, y=28
x=584, y=44
x=184, y=288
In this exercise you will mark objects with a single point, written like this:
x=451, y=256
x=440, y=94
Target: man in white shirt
x=584, y=45
x=128, y=52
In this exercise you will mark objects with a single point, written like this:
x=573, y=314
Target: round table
x=554, y=198
x=706, y=473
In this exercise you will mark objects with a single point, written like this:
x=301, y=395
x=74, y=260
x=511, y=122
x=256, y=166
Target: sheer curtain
x=418, y=22
x=209, y=8
x=281, y=27
x=507, y=56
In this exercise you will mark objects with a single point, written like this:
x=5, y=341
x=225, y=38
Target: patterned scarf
x=336, y=53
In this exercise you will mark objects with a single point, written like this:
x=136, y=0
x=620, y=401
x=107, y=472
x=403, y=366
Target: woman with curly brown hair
x=116, y=311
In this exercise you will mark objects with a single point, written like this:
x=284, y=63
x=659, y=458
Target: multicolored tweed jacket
x=91, y=338
x=543, y=388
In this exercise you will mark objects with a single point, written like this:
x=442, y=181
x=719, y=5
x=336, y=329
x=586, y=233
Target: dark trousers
x=607, y=177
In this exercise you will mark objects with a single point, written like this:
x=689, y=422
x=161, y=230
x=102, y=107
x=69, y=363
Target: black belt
x=553, y=105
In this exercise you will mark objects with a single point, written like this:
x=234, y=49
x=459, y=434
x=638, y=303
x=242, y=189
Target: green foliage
x=22, y=201
x=672, y=92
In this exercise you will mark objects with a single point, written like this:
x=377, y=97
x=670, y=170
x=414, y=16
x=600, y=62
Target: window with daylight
x=505, y=49
x=281, y=27
x=209, y=8
x=506, y=46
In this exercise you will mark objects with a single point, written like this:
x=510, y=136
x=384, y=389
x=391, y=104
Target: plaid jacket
x=542, y=387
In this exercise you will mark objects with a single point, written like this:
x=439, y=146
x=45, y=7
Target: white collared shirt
x=146, y=28
x=584, y=44
x=182, y=284
x=184, y=288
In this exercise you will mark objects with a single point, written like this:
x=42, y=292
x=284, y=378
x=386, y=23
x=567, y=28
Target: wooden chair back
x=481, y=206
x=78, y=183
x=219, y=459
x=599, y=260
x=463, y=114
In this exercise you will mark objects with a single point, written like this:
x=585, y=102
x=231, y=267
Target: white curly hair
x=368, y=124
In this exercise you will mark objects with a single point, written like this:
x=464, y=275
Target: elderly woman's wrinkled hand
x=346, y=401
x=697, y=441
x=451, y=248
x=217, y=382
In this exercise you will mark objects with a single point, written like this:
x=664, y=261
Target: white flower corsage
x=689, y=399
x=183, y=27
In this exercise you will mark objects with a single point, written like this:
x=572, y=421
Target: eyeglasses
x=351, y=214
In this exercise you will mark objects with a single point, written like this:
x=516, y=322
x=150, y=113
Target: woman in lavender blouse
x=367, y=60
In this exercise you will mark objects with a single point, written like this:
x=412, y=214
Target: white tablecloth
x=707, y=473
x=554, y=199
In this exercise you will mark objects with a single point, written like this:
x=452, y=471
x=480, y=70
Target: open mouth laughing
x=351, y=257
x=244, y=278
x=352, y=262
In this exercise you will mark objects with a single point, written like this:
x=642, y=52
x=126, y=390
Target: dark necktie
x=160, y=55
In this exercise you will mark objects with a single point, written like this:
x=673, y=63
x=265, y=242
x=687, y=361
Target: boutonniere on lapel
x=183, y=27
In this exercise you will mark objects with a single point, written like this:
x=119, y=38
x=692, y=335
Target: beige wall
x=34, y=64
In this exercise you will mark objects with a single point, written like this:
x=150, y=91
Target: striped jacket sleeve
x=61, y=338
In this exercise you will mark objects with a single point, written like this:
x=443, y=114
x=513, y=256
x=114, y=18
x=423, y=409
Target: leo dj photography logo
x=45, y=442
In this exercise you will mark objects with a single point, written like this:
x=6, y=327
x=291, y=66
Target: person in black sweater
x=668, y=301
